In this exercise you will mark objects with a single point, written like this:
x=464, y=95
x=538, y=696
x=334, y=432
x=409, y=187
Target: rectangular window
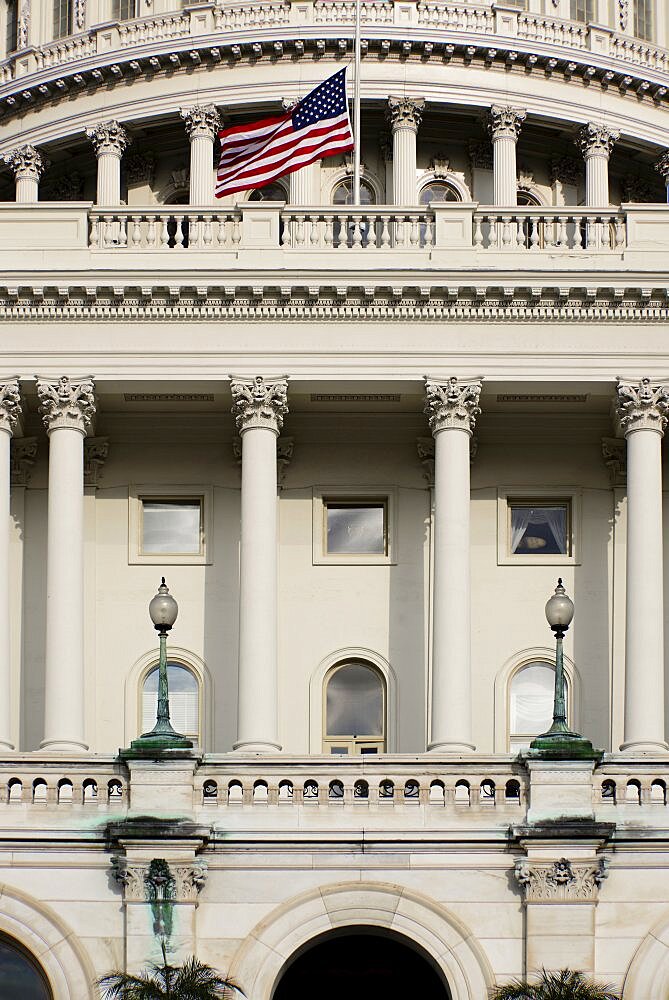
x=122, y=10
x=356, y=527
x=62, y=18
x=539, y=527
x=11, y=39
x=170, y=526
x=643, y=19
x=581, y=10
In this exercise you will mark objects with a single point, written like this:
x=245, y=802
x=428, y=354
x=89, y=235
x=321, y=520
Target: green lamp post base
x=150, y=744
x=562, y=746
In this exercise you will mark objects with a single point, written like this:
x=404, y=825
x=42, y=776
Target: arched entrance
x=20, y=975
x=360, y=964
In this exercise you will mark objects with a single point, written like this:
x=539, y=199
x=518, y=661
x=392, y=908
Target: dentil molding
x=257, y=403
x=66, y=404
x=452, y=404
x=642, y=406
x=560, y=881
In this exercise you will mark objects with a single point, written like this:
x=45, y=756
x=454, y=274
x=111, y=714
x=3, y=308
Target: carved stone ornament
x=289, y=104
x=147, y=882
x=440, y=167
x=257, y=403
x=405, y=112
x=425, y=449
x=66, y=404
x=480, y=155
x=614, y=453
x=505, y=122
x=68, y=187
x=26, y=161
x=662, y=166
x=201, y=121
x=189, y=880
x=596, y=140
x=452, y=404
x=643, y=406
x=567, y=170
x=140, y=168
x=386, y=147
x=560, y=881
x=23, y=25
x=637, y=189
x=623, y=14
x=80, y=14
x=285, y=447
x=23, y=454
x=96, y=451
x=109, y=138
x=10, y=404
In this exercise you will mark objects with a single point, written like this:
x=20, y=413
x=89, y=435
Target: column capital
x=26, y=161
x=452, y=404
x=561, y=881
x=642, y=406
x=10, y=404
x=257, y=403
x=109, y=137
x=596, y=140
x=505, y=121
x=662, y=166
x=66, y=404
x=201, y=121
x=405, y=112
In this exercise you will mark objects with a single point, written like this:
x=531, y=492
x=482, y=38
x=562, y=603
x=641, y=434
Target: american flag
x=256, y=154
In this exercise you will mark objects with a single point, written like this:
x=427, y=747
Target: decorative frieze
x=10, y=404
x=560, y=881
x=596, y=140
x=614, y=453
x=201, y=121
x=257, y=403
x=66, y=404
x=159, y=880
x=26, y=161
x=452, y=404
x=23, y=25
x=405, y=112
x=80, y=14
x=642, y=406
x=23, y=455
x=96, y=451
x=109, y=138
x=505, y=122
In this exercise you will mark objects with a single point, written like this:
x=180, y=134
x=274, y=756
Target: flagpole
x=356, y=107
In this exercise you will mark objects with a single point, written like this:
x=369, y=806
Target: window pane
x=581, y=10
x=271, y=192
x=343, y=193
x=172, y=526
x=539, y=529
x=11, y=39
x=532, y=699
x=353, y=528
x=19, y=977
x=643, y=19
x=184, y=700
x=438, y=191
x=123, y=10
x=61, y=18
x=354, y=702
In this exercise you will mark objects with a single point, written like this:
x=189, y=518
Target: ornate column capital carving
x=257, y=403
x=109, y=138
x=560, y=881
x=596, y=140
x=130, y=876
x=201, y=121
x=26, y=161
x=148, y=882
x=662, y=166
x=96, y=451
x=405, y=112
x=10, y=404
x=452, y=404
x=505, y=122
x=614, y=453
x=23, y=454
x=642, y=406
x=66, y=404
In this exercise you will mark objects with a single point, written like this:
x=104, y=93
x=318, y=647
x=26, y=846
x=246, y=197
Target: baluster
x=179, y=232
x=193, y=231
x=151, y=231
x=428, y=240
x=478, y=230
x=357, y=231
x=534, y=235
x=208, y=237
x=287, y=234
x=606, y=232
x=385, y=230
x=122, y=231
x=414, y=232
x=518, y=226
x=619, y=232
x=299, y=231
x=315, y=236
x=107, y=232
x=328, y=235
x=95, y=231
x=164, y=232
x=236, y=231
x=136, y=234
x=399, y=232
x=506, y=231
x=563, y=236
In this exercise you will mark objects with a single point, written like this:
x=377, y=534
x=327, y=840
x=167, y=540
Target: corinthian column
x=202, y=125
x=504, y=128
x=596, y=143
x=259, y=408
x=662, y=167
x=642, y=411
x=10, y=411
x=452, y=408
x=110, y=141
x=67, y=409
x=404, y=116
x=27, y=164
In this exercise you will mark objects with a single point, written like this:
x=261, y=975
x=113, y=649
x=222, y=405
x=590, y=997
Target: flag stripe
x=279, y=148
x=311, y=154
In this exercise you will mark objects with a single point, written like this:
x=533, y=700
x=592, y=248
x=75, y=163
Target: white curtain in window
x=554, y=517
x=184, y=700
x=531, y=706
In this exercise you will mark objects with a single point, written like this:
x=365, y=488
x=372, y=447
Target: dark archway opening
x=20, y=975
x=362, y=964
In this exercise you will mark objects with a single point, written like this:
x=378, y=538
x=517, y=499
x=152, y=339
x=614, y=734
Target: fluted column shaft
x=202, y=125
x=452, y=409
x=67, y=408
x=110, y=140
x=504, y=128
x=404, y=115
x=10, y=411
x=642, y=410
x=302, y=183
x=27, y=164
x=259, y=408
x=596, y=143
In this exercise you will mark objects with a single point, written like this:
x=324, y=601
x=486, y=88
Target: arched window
x=184, y=691
x=438, y=191
x=531, y=703
x=20, y=975
x=355, y=710
x=343, y=193
x=271, y=192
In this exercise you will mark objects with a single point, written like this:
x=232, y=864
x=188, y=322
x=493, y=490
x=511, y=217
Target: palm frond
x=565, y=984
x=191, y=981
x=121, y=986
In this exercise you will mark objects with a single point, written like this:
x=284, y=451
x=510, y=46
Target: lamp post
x=163, y=610
x=560, y=741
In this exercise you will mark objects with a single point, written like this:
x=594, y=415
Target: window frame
x=364, y=495
x=650, y=21
x=356, y=745
x=539, y=496
x=175, y=661
x=137, y=494
x=56, y=32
